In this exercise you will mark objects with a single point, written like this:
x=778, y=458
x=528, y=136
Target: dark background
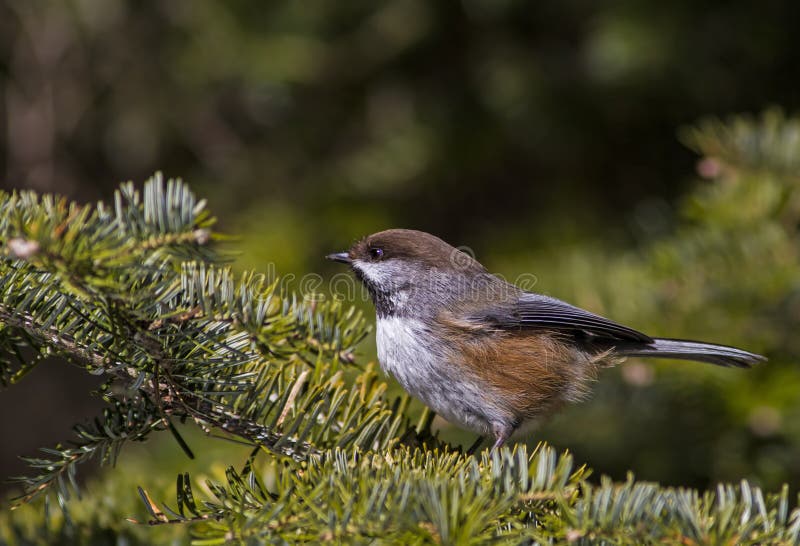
x=536, y=133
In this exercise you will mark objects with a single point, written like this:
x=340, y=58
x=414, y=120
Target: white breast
x=405, y=351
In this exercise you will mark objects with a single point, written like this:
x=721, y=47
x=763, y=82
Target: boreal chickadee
x=483, y=353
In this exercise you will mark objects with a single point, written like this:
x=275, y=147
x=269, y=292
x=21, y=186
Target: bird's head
x=399, y=262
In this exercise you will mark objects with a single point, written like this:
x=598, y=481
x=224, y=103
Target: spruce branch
x=402, y=494
x=115, y=294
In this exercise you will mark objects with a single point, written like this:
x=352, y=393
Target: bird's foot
x=502, y=432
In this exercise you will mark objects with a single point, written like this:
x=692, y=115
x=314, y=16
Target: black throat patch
x=384, y=304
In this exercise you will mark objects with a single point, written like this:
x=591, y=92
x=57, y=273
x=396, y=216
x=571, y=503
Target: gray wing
x=537, y=311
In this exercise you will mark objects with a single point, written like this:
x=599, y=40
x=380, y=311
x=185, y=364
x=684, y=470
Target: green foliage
x=179, y=339
x=139, y=293
x=402, y=497
x=728, y=273
x=313, y=123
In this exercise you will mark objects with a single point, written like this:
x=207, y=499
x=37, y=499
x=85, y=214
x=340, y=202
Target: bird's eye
x=376, y=253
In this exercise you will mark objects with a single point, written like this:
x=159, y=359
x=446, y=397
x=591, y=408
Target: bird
x=484, y=354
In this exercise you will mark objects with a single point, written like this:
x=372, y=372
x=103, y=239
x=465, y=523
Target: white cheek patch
x=390, y=278
x=376, y=273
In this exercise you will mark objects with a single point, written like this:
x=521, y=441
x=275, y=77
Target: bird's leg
x=502, y=432
x=475, y=445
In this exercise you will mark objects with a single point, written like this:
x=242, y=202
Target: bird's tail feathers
x=721, y=355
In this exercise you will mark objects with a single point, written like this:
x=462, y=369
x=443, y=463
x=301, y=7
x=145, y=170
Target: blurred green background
x=540, y=134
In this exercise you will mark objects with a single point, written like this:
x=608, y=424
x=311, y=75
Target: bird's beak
x=341, y=257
